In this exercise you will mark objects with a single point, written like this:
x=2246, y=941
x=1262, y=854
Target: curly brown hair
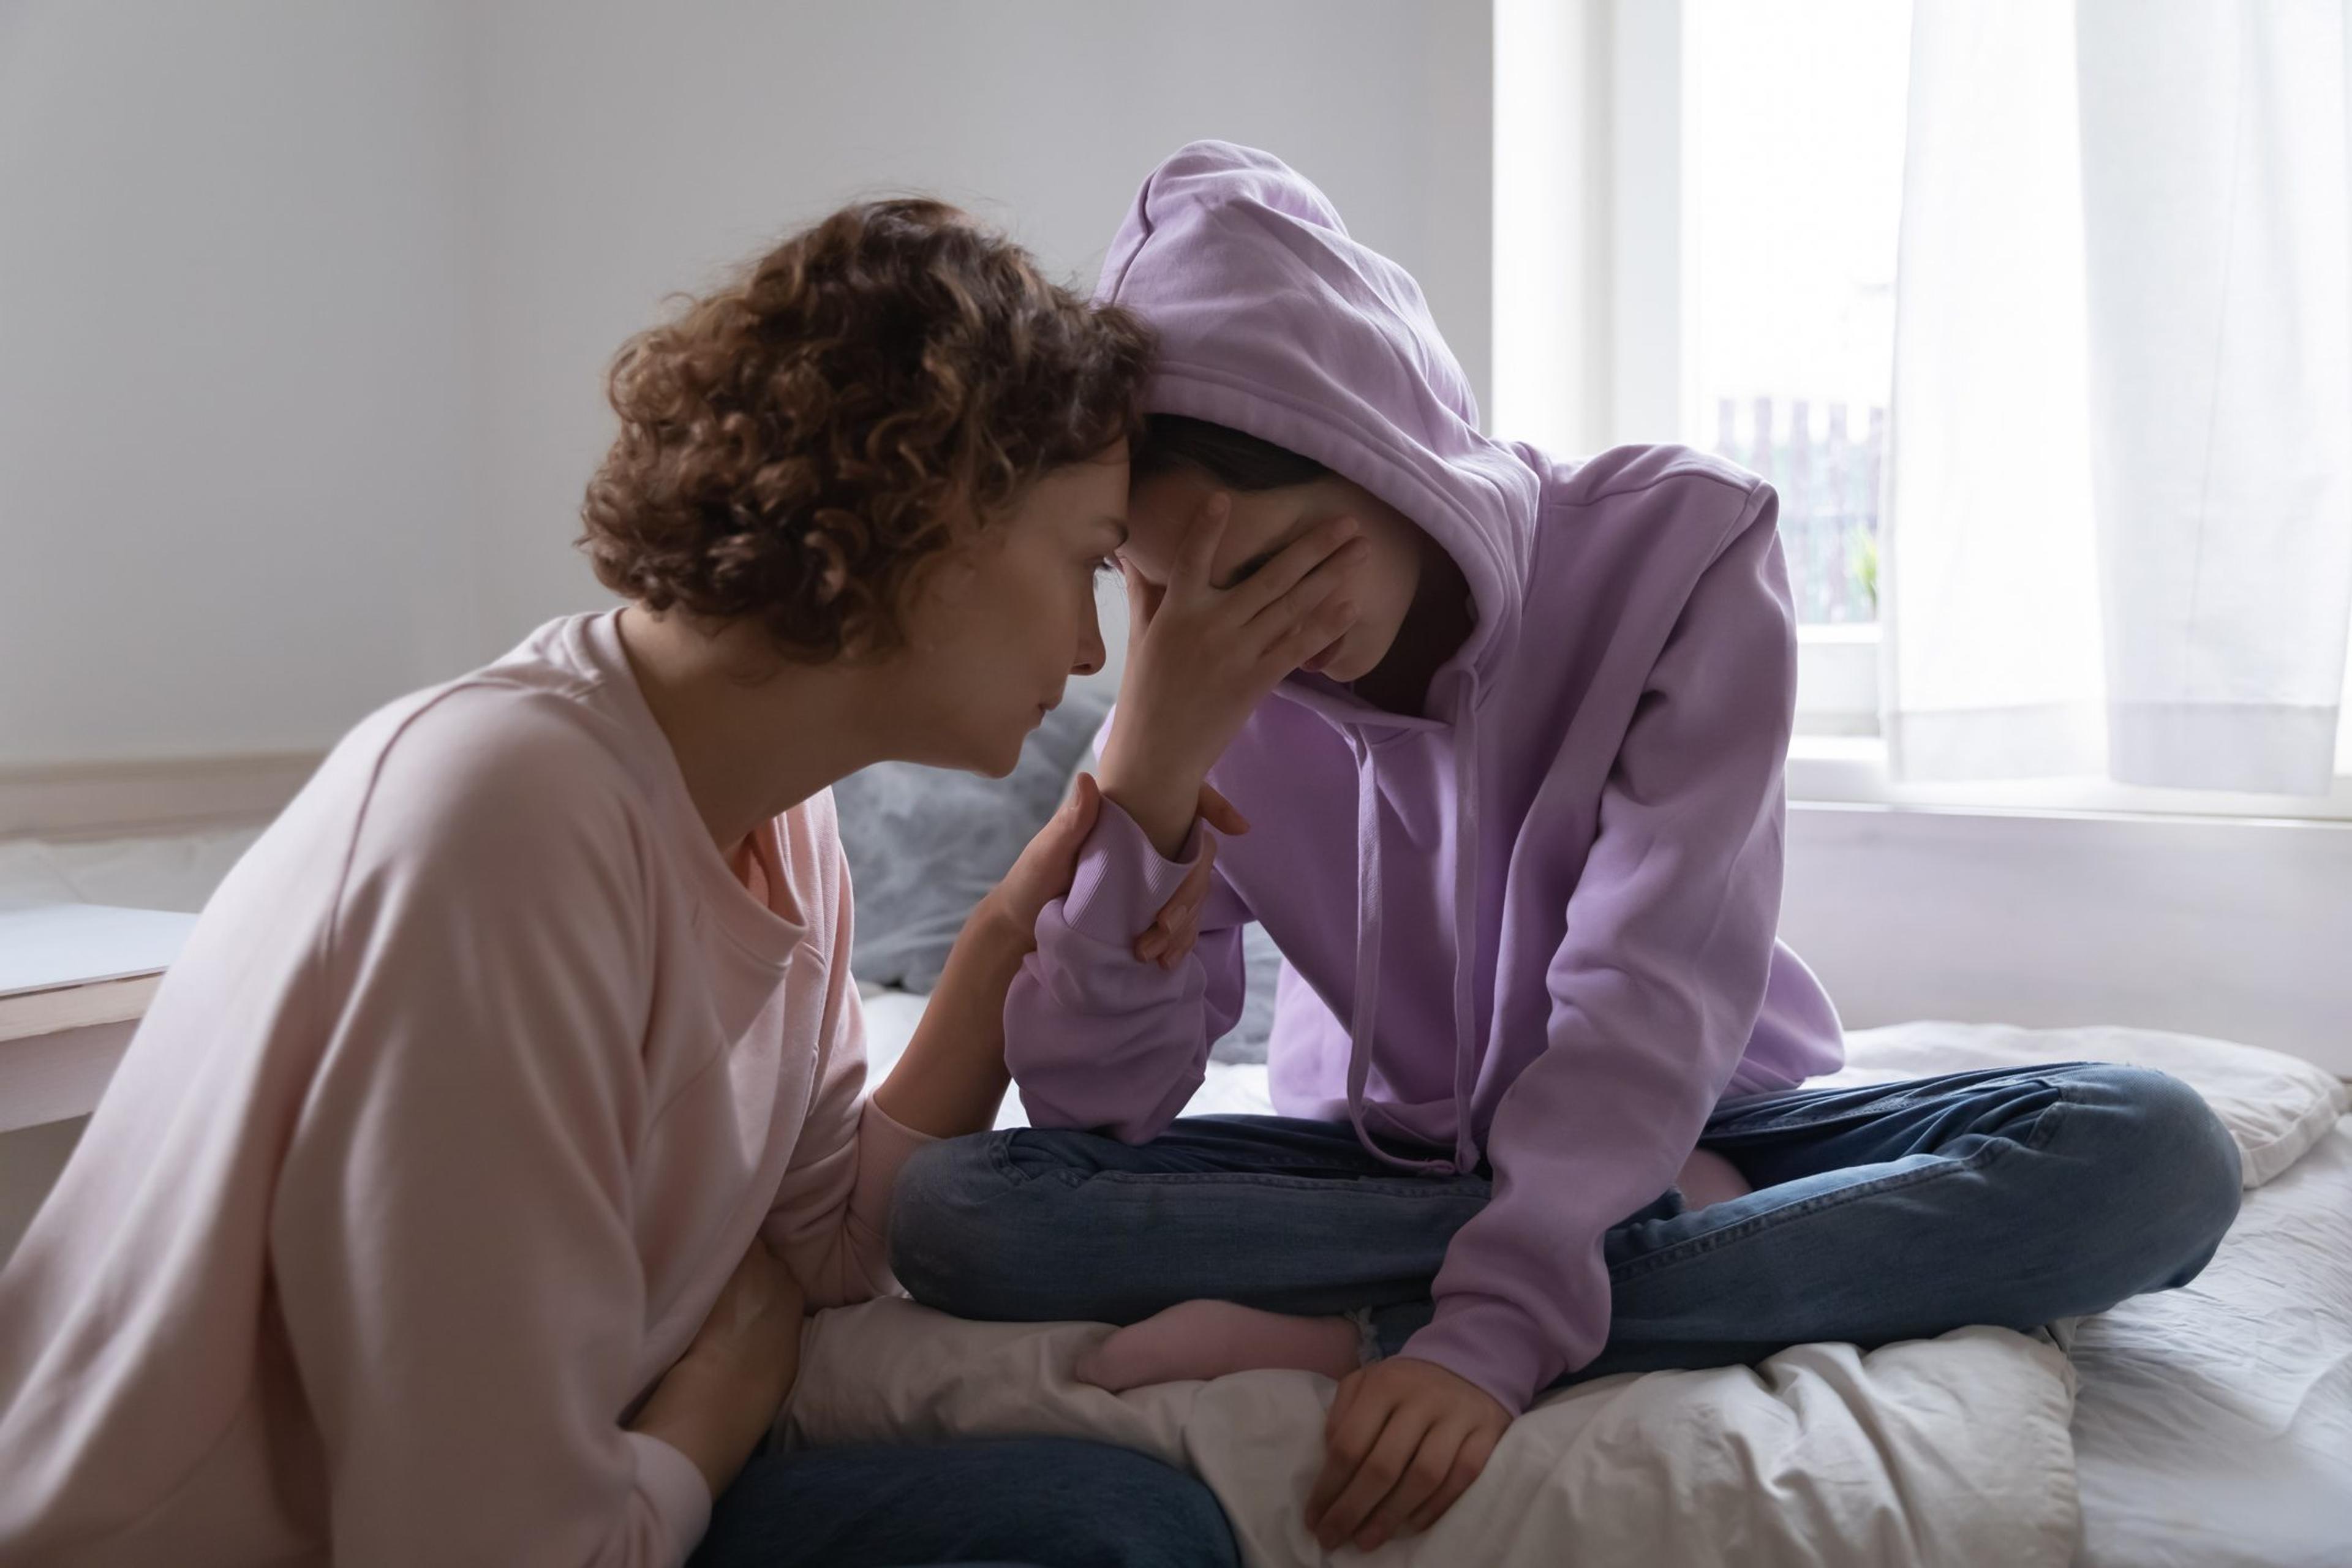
x=796, y=447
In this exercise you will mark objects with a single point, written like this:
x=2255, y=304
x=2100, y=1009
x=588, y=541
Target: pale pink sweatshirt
x=474, y=1082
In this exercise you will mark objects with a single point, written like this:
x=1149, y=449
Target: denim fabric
x=1900, y=1211
x=1041, y=1502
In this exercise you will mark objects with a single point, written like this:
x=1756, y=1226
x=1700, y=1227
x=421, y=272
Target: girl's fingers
x=1375, y=1476
x=1320, y=545
x=1353, y=1427
x=1341, y=1397
x=1469, y=1461
x=1313, y=633
x=1140, y=601
x=1199, y=550
x=1425, y=1473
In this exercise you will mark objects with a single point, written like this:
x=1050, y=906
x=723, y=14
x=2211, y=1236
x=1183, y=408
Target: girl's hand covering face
x=1200, y=657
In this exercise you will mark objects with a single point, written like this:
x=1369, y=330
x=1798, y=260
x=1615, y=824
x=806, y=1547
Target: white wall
x=304, y=310
x=2233, y=928
x=233, y=369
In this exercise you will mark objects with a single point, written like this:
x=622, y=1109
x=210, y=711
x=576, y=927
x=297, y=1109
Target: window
x=1792, y=186
x=1696, y=207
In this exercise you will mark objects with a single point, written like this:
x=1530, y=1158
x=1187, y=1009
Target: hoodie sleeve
x=1094, y=1037
x=1653, y=992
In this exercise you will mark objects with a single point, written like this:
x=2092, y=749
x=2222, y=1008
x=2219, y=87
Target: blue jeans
x=1896, y=1212
x=1044, y=1502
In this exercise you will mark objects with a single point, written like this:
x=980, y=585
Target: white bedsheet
x=2214, y=1425
x=2213, y=1428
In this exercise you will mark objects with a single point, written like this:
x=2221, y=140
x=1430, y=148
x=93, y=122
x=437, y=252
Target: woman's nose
x=1091, y=652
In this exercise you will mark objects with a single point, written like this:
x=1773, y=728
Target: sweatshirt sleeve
x=452, y=1243
x=1653, y=991
x=1094, y=1037
x=830, y=1219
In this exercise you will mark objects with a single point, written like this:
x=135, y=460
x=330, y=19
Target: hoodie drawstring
x=1366, y=1009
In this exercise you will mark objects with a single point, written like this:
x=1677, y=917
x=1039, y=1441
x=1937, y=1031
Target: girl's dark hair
x=797, y=446
x=1235, y=460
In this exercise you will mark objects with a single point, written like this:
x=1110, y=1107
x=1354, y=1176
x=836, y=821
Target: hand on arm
x=953, y=1075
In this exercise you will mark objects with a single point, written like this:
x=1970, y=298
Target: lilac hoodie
x=1538, y=926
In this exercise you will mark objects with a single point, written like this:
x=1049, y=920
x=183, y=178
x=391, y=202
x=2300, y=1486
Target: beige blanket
x=1947, y=1451
x=1953, y=1451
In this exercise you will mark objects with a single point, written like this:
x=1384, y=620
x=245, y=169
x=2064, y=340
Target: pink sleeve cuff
x=679, y=1496
x=884, y=1145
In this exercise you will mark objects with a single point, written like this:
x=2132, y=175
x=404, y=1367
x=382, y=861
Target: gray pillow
x=1262, y=961
x=926, y=844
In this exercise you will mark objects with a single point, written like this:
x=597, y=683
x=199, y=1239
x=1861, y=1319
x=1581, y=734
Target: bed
x=2207, y=1426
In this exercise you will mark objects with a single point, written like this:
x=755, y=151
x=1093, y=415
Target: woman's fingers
x=1469, y=1460
x=1066, y=831
x=1175, y=928
x=1085, y=803
x=1219, y=812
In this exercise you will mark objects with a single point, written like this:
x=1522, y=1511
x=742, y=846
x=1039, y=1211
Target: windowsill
x=1851, y=770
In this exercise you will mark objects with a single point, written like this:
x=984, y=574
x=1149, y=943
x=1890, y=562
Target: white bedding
x=2215, y=1426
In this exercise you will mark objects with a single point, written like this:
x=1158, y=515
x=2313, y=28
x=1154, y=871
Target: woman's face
x=1165, y=507
x=1006, y=620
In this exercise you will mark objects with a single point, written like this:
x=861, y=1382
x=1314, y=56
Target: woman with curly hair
x=460, y=1196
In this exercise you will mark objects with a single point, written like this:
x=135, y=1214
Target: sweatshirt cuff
x=680, y=1498
x=885, y=1144
x=1489, y=1342
x=1122, y=881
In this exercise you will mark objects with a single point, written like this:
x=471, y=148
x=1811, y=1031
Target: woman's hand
x=1404, y=1438
x=1200, y=657
x=1044, y=869
x=723, y=1393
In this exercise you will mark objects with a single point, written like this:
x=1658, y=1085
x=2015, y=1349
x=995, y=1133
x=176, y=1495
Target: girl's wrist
x=1162, y=804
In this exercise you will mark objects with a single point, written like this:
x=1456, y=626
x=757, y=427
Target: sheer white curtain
x=2119, y=489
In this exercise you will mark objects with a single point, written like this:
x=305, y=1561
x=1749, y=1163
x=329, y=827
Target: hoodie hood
x=1273, y=320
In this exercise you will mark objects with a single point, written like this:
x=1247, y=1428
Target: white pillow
x=2277, y=1106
